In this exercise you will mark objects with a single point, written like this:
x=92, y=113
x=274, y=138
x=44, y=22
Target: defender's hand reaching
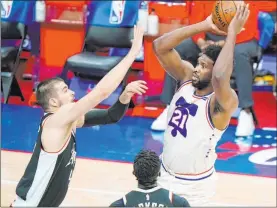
x=137, y=41
x=137, y=87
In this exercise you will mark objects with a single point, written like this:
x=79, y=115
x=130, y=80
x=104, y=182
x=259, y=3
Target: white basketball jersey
x=190, y=138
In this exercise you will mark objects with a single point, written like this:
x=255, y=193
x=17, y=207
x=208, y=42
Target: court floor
x=99, y=183
x=246, y=166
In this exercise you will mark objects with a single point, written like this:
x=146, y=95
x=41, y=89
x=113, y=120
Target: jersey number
x=181, y=115
x=179, y=119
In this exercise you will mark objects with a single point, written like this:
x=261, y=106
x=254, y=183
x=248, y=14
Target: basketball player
x=200, y=110
x=47, y=176
x=146, y=169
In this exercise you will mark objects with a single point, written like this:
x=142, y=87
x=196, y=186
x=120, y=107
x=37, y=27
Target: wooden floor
x=99, y=183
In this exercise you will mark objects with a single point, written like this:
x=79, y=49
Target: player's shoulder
x=163, y=190
x=186, y=84
x=118, y=203
x=58, y=115
x=178, y=201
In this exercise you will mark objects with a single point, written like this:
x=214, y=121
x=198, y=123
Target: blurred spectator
x=270, y=7
x=245, y=50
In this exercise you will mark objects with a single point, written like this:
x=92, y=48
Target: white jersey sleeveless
x=190, y=138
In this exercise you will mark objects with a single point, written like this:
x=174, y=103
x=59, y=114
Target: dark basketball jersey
x=47, y=176
x=155, y=197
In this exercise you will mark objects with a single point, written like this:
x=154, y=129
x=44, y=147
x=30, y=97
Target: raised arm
x=224, y=95
x=117, y=110
x=169, y=58
x=72, y=112
x=104, y=116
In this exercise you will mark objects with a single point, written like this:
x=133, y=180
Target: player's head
x=202, y=73
x=53, y=93
x=147, y=167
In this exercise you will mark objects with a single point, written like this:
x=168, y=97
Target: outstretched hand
x=241, y=17
x=136, y=87
x=138, y=37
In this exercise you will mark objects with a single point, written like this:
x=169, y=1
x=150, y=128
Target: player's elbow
x=103, y=93
x=216, y=81
x=114, y=120
x=158, y=46
x=114, y=117
x=222, y=71
x=220, y=79
x=218, y=76
x=155, y=46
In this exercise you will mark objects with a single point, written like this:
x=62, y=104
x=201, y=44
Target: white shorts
x=198, y=192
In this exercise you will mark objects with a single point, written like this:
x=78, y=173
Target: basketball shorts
x=197, y=192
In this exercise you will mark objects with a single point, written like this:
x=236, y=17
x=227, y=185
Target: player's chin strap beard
x=202, y=84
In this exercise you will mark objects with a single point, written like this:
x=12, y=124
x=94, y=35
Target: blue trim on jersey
x=204, y=97
x=198, y=97
x=182, y=85
x=188, y=179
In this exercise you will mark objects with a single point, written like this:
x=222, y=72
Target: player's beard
x=201, y=84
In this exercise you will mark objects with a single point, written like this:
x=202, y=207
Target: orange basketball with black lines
x=222, y=14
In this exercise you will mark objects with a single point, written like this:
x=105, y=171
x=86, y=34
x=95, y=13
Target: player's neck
x=204, y=92
x=51, y=110
x=148, y=186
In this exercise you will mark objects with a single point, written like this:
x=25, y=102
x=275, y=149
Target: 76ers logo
x=181, y=115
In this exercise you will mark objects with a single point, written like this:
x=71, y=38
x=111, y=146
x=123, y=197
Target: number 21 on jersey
x=180, y=116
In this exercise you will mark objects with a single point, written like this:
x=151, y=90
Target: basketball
x=222, y=14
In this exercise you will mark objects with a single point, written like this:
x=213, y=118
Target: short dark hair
x=212, y=51
x=45, y=90
x=147, y=167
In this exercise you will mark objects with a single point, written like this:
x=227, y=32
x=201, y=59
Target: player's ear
x=53, y=102
x=159, y=174
x=133, y=172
